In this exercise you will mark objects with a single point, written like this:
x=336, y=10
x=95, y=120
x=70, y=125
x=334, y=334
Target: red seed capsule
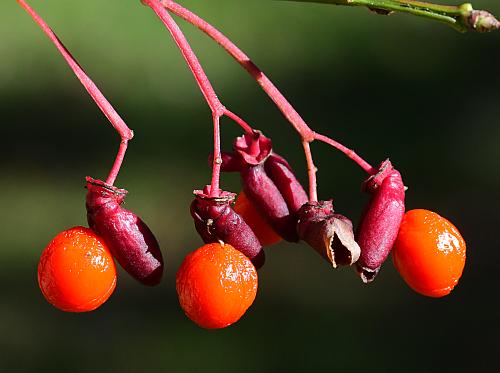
x=269, y=183
x=381, y=220
x=285, y=180
x=253, y=149
x=330, y=234
x=215, y=220
x=129, y=239
x=268, y=200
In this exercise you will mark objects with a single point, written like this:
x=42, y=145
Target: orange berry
x=216, y=284
x=266, y=235
x=429, y=253
x=76, y=272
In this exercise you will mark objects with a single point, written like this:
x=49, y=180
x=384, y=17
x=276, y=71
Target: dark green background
x=398, y=86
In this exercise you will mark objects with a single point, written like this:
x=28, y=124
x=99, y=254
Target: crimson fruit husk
x=268, y=181
x=215, y=221
x=330, y=234
x=381, y=219
x=129, y=239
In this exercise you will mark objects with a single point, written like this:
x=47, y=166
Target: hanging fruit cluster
x=217, y=283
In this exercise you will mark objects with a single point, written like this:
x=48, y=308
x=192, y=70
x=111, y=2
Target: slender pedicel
x=128, y=238
x=217, y=108
x=117, y=122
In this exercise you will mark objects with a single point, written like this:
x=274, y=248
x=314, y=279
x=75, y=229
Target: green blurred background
x=398, y=86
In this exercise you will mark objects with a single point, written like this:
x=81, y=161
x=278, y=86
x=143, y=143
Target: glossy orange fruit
x=76, y=272
x=266, y=235
x=429, y=253
x=216, y=284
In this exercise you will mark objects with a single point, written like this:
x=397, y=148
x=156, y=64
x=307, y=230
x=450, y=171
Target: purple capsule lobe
x=129, y=239
x=330, y=234
x=215, y=220
x=381, y=220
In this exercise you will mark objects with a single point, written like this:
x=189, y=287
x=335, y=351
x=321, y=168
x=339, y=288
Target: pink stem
x=281, y=102
x=190, y=57
x=214, y=103
x=246, y=127
x=117, y=122
x=349, y=152
x=118, y=162
x=311, y=172
x=306, y=133
x=217, y=162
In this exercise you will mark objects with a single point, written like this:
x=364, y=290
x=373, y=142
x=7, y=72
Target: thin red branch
x=246, y=127
x=118, y=162
x=217, y=108
x=311, y=172
x=217, y=162
x=117, y=122
x=281, y=102
x=188, y=54
x=349, y=152
x=306, y=133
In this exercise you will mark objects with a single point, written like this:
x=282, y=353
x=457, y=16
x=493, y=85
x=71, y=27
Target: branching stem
x=218, y=110
x=311, y=172
x=306, y=133
x=348, y=152
x=117, y=122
